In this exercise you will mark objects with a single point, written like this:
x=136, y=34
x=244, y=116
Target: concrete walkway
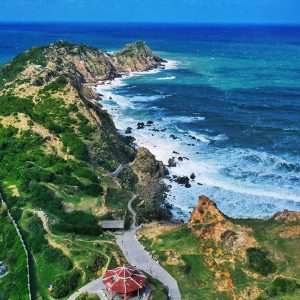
x=119, y=169
x=94, y=287
x=137, y=256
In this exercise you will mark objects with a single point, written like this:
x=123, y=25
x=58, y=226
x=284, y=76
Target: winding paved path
x=94, y=287
x=137, y=256
x=119, y=169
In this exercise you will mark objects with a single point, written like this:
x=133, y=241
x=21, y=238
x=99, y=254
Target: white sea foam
x=166, y=78
x=171, y=64
x=243, y=182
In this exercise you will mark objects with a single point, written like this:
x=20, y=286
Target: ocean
x=227, y=104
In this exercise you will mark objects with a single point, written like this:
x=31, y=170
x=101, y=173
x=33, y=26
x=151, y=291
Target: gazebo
x=126, y=282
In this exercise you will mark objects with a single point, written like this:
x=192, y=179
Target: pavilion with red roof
x=124, y=282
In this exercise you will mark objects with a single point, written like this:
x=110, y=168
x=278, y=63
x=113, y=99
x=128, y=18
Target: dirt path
x=41, y=214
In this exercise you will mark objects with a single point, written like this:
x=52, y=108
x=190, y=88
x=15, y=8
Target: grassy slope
x=197, y=279
x=56, y=156
x=50, y=178
x=14, y=284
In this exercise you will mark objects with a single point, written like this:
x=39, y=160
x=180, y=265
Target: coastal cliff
x=58, y=151
x=217, y=257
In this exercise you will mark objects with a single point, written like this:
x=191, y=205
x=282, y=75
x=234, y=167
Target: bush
x=259, y=262
x=76, y=146
x=128, y=179
x=57, y=84
x=79, y=222
x=43, y=197
x=35, y=233
x=52, y=254
x=283, y=286
x=96, y=264
x=68, y=180
x=86, y=173
x=10, y=104
x=66, y=283
x=94, y=189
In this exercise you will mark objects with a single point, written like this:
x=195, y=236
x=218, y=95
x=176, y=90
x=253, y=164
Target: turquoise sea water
x=235, y=89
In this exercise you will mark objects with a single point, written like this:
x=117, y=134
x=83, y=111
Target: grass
x=159, y=290
x=13, y=285
x=195, y=277
x=117, y=198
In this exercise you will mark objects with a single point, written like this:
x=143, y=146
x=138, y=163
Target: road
x=119, y=169
x=94, y=287
x=137, y=256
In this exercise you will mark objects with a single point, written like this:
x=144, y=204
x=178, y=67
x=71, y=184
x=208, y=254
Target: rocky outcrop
x=208, y=222
x=64, y=74
x=137, y=57
x=287, y=216
x=150, y=188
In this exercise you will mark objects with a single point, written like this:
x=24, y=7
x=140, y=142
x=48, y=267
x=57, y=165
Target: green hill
x=58, y=148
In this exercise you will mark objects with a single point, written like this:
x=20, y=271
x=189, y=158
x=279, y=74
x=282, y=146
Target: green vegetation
x=64, y=284
x=57, y=149
x=259, y=262
x=76, y=146
x=10, y=104
x=58, y=84
x=79, y=222
x=186, y=258
x=88, y=297
x=159, y=290
x=13, y=285
x=10, y=70
x=117, y=198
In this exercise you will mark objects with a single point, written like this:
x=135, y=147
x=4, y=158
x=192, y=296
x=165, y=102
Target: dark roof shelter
x=115, y=224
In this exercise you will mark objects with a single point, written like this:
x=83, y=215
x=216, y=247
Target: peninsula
x=67, y=174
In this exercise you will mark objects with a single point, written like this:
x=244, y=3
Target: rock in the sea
x=180, y=158
x=175, y=152
x=128, y=130
x=149, y=123
x=183, y=180
x=171, y=162
x=173, y=136
x=140, y=125
x=193, y=176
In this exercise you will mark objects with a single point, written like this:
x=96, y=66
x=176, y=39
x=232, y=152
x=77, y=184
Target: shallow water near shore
x=230, y=96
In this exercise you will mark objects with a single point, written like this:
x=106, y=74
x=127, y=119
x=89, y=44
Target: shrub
x=283, y=286
x=86, y=173
x=79, y=222
x=94, y=189
x=65, y=283
x=57, y=84
x=76, y=146
x=96, y=264
x=259, y=262
x=10, y=104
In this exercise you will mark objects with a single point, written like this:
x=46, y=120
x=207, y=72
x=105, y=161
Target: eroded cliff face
x=59, y=75
x=47, y=91
x=232, y=246
x=223, y=242
x=208, y=222
x=151, y=191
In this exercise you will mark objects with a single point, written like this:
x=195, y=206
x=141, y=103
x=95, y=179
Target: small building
x=126, y=283
x=113, y=224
